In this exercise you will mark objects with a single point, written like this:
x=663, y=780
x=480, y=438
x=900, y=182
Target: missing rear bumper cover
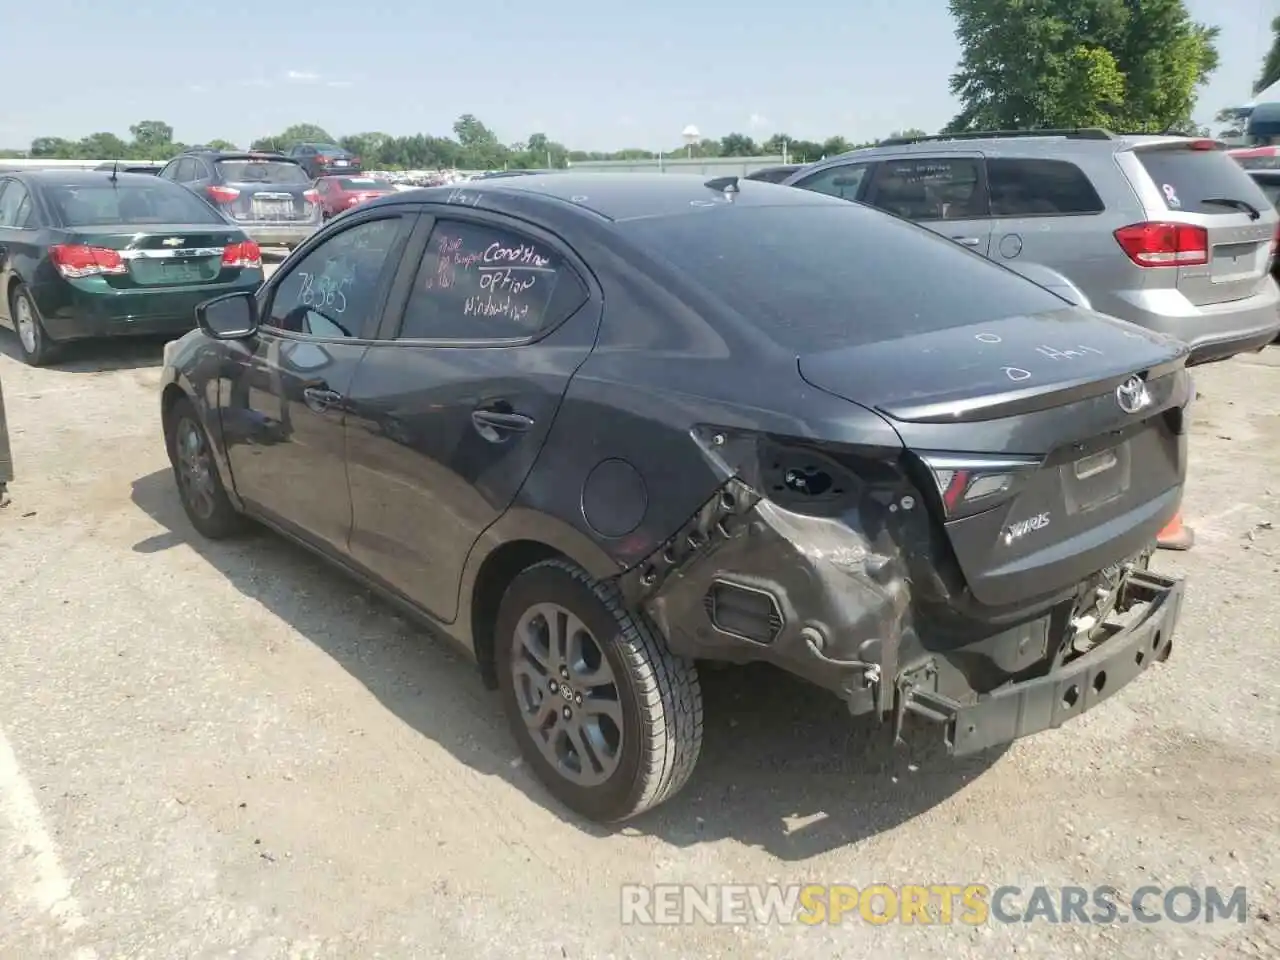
x=1020, y=709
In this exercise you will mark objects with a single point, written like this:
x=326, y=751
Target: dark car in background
x=601, y=427
x=267, y=195
x=774, y=174
x=324, y=159
x=338, y=194
x=123, y=166
x=86, y=254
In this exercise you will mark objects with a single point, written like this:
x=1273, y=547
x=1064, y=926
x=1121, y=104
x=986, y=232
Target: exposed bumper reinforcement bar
x=1043, y=703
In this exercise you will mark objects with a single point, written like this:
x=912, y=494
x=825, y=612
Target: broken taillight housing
x=968, y=485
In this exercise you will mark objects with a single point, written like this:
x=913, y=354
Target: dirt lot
x=208, y=750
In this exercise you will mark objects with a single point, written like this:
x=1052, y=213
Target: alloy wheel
x=195, y=468
x=25, y=319
x=567, y=694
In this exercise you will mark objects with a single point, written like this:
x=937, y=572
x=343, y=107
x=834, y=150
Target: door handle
x=967, y=241
x=497, y=425
x=321, y=399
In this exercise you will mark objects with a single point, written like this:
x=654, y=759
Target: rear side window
x=844, y=181
x=1186, y=178
x=930, y=188
x=1036, y=188
x=157, y=201
x=837, y=274
x=480, y=282
x=261, y=171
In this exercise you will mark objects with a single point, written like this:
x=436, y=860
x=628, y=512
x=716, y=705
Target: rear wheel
x=608, y=718
x=200, y=489
x=37, y=349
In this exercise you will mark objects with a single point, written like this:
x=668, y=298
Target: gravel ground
x=227, y=749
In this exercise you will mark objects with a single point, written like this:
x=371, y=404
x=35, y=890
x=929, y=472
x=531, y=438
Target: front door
x=945, y=192
x=447, y=414
x=285, y=404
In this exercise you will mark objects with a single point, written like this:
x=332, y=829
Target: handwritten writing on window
x=480, y=281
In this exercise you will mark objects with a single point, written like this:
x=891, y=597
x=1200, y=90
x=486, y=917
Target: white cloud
x=301, y=76
x=758, y=120
x=341, y=84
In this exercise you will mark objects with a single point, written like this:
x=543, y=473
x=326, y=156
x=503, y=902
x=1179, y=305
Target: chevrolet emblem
x=172, y=241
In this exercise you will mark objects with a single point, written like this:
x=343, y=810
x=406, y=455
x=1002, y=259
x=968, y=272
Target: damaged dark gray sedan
x=597, y=428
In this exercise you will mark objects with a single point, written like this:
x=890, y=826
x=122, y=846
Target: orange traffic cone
x=1175, y=536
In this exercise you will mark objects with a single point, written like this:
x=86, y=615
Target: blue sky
x=590, y=74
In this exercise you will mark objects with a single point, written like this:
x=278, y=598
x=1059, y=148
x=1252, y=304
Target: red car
x=343, y=193
x=1257, y=158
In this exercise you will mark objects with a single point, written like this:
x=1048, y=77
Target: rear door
x=946, y=192
x=1196, y=183
x=449, y=410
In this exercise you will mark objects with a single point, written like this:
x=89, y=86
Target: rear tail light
x=971, y=485
x=311, y=196
x=1164, y=244
x=223, y=194
x=74, y=261
x=244, y=254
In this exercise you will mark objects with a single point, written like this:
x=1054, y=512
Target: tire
x=36, y=347
x=629, y=767
x=204, y=499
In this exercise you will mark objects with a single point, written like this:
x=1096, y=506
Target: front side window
x=481, y=282
x=929, y=188
x=1036, y=188
x=844, y=181
x=334, y=289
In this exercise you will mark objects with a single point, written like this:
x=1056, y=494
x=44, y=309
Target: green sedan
x=86, y=254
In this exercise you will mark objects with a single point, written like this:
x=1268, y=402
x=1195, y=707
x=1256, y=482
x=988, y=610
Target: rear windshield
x=1186, y=178
x=363, y=183
x=81, y=205
x=261, y=171
x=824, y=276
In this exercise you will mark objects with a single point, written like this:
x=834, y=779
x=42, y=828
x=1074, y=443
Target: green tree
x=54, y=148
x=738, y=145
x=303, y=133
x=151, y=140
x=104, y=146
x=1125, y=64
x=1271, y=63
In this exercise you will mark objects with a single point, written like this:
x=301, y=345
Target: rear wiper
x=1238, y=204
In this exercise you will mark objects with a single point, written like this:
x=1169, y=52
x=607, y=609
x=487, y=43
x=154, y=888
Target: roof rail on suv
x=1075, y=133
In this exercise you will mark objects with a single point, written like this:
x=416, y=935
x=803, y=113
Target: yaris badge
x=1132, y=395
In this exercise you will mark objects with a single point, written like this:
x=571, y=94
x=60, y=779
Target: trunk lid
x=162, y=254
x=1081, y=463
x=1205, y=188
x=269, y=190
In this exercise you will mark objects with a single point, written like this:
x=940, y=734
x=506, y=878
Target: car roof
x=1024, y=144
x=619, y=196
x=74, y=177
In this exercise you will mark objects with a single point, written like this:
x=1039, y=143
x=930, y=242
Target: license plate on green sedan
x=178, y=272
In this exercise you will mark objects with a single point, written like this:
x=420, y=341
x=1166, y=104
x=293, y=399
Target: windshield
x=839, y=274
x=1187, y=178
x=262, y=171
x=92, y=205
x=1271, y=189
x=363, y=183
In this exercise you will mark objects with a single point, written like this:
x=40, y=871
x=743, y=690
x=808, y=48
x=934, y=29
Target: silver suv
x=1166, y=232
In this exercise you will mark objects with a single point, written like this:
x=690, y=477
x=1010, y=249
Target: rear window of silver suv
x=1199, y=180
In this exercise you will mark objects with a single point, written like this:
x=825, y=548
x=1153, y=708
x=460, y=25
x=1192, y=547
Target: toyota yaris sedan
x=600, y=429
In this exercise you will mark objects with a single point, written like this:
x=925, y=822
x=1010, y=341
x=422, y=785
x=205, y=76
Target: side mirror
x=230, y=317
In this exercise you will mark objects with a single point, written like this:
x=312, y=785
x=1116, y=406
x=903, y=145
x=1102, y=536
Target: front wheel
x=204, y=499
x=609, y=719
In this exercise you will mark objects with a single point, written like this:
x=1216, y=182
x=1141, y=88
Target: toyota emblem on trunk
x=1132, y=395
